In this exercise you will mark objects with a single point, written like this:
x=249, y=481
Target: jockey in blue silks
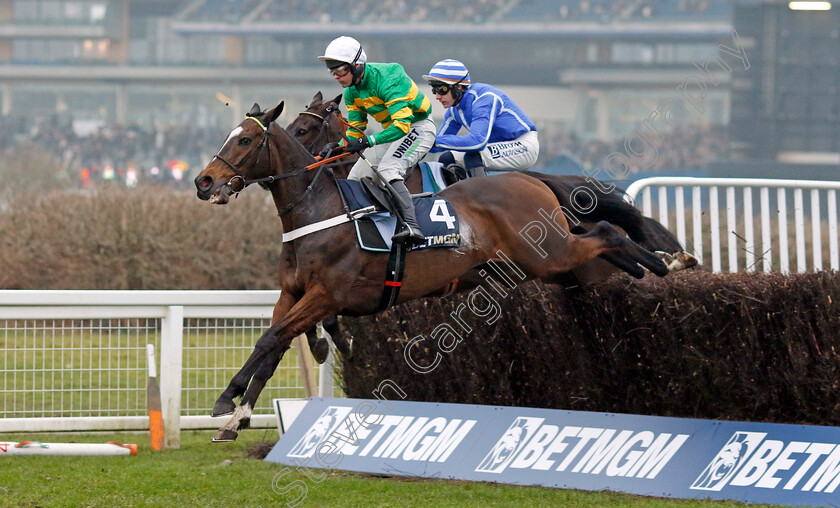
x=500, y=135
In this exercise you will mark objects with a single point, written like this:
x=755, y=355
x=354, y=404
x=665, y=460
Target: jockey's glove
x=327, y=150
x=357, y=145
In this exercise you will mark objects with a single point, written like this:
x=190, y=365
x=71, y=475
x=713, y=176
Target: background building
x=589, y=72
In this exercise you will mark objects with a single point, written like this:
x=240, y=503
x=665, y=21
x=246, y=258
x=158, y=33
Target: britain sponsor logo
x=344, y=432
x=531, y=444
x=749, y=459
x=499, y=150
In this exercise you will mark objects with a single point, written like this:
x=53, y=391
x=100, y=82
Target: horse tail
x=611, y=207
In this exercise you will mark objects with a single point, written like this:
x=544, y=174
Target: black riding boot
x=474, y=164
x=411, y=232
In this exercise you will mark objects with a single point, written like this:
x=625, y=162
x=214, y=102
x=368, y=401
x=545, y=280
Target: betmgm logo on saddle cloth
x=435, y=216
x=648, y=455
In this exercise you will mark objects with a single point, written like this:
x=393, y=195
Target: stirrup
x=410, y=236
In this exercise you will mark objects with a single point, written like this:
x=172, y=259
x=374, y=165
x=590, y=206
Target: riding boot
x=474, y=165
x=410, y=233
x=476, y=171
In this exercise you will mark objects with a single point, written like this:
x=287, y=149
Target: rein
x=238, y=183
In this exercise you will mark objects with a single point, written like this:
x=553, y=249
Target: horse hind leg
x=341, y=338
x=319, y=346
x=677, y=261
x=625, y=253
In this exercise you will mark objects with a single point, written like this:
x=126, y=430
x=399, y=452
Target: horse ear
x=255, y=110
x=318, y=99
x=338, y=99
x=274, y=113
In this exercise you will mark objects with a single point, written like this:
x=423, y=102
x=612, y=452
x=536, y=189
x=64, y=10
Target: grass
x=197, y=474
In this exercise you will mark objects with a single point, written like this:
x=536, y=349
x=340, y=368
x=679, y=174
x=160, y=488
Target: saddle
x=435, y=215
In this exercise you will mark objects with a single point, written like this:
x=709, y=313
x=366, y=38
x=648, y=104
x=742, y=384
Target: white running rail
x=770, y=216
x=76, y=360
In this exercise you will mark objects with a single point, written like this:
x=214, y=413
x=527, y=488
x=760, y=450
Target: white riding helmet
x=346, y=50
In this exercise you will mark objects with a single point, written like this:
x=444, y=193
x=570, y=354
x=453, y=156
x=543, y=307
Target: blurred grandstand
x=167, y=72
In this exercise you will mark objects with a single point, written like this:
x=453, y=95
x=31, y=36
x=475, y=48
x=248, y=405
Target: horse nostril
x=204, y=183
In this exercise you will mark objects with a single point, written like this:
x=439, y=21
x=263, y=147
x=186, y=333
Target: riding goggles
x=441, y=88
x=340, y=70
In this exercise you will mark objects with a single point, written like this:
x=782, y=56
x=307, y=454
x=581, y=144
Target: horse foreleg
x=241, y=418
x=303, y=315
x=224, y=404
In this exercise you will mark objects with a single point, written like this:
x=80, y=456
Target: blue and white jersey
x=488, y=114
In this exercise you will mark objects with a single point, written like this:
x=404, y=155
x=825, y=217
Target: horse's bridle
x=325, y=125
x=237, y=177
x=242, y=183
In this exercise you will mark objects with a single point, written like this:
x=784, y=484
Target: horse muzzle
x=204, y=186
x=208, y=191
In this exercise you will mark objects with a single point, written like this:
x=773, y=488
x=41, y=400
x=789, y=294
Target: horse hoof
x=244, y=424
x=223, y=407
x=681, y=260
x=321, y=350
x=686, y=260
x=225, y=436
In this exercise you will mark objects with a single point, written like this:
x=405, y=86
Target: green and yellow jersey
x=388, y=95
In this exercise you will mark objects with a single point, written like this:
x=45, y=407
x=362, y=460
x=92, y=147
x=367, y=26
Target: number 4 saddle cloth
x=435, y=215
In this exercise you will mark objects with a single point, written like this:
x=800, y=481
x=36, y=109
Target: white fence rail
x=751, y=211
x=76, y=360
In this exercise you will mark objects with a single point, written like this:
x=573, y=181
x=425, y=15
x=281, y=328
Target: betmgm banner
x=647, y=455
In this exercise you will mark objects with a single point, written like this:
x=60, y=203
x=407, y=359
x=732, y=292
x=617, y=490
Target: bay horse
x=322, y=123
x=325, y=273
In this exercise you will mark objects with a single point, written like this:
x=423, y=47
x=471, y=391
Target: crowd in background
x=127, y=153
x=685, y=147
x=433, y=11
x=130, y=154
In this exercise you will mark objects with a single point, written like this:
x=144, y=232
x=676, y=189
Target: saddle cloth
x=433, y=180
x=435, y=215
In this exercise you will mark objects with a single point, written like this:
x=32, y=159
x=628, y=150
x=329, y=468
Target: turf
x=208, y=475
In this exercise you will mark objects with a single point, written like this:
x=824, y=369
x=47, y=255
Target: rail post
x=171, y=359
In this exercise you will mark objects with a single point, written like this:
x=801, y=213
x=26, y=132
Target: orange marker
x=153, y=398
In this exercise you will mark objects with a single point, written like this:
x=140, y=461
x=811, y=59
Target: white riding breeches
x=517, y=155
x=393, y=160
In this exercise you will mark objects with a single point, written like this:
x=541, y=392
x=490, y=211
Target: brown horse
x=322, y=123
x=325, y=273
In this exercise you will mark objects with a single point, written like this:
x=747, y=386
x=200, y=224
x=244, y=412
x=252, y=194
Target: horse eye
x=245, y=141
x=301, y=132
